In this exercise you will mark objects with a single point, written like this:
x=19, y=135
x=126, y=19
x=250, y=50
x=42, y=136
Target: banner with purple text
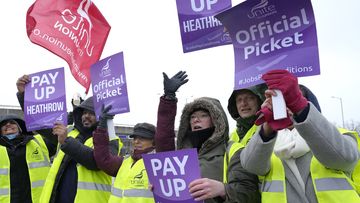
x=198, y=27
x=45, y=100
x=272, y=34
x=170, y=174
x=109, y=84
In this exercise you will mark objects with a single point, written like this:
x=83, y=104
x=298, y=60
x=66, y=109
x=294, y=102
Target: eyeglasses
x=199, y=116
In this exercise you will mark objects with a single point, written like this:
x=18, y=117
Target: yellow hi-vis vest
x=37, y=159
x=331, y=186
x=356, y=172
x=131, y=184
x=92, y=186
x=234, y=146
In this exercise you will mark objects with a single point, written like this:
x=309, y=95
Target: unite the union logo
x=105, y=70
x=262, y=10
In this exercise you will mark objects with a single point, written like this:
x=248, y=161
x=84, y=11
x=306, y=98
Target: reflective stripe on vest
x=37, y=159
x=93, y=186
x=4, y=191
x=4, y=171
x=132, y=192
x=131, y=184
x=329, y=185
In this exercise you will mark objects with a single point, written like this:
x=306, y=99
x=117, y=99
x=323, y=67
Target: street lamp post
x=342, y=111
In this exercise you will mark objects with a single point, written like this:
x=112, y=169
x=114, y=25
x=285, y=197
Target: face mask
x=11, y=136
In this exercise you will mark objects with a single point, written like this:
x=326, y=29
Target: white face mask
x=11, y=136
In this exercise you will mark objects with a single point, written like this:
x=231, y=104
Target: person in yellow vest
x=242, y=107
x=301, y=158
x=24, y=162
x=131, y=184
x=74, y=175
x=204, y=126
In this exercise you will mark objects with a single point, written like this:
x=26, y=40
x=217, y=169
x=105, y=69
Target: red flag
x=74, y=30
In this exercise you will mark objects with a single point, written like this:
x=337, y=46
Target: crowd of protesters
x=300, y=158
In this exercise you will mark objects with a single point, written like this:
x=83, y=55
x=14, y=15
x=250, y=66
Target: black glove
x=173, y=84
x=70, y=118
x=105, y=116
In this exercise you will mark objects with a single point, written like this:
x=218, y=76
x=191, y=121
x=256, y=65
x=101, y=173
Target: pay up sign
x=272, y=34
x=170, y=174
x=45, y=100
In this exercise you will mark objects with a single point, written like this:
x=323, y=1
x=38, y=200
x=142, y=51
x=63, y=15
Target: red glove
x=267, y=116
x=287, y=83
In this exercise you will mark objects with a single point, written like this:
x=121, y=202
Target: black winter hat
x=145, y=130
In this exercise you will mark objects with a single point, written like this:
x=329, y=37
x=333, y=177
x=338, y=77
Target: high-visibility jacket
x=37, y=159
x=92, y=186
x=131, y=184
x=234, y=145
x=355, y=176
x=329, y=185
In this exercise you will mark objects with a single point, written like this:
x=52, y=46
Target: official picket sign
x=170, y=174
x=198, y=27
x=109, y=84
x=45, y=100
x=272, y=34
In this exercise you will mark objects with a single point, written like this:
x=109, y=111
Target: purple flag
x=45, y=100
x=170, y=174
x=109, y=84
x=198, y=26
x=272, y=34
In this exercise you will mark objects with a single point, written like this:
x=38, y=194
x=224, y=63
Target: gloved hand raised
x=266, y=115
x=287, y=83
x=105, y=116
x=171, y=85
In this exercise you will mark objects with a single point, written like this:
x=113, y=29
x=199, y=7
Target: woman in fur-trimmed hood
x=211, y=138
x=203, y=125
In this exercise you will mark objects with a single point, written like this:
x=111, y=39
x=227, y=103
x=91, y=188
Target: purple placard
x=45, y=100
x=109, y=84
x=170, y=174
x=272, y=34
x=198, y=27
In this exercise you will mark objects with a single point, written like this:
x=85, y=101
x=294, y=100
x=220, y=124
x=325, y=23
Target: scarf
x=290, y=145
x=197, y=138
x=137, y=154
x=244, y=124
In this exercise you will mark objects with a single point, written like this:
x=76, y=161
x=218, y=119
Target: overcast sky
x=147, y=32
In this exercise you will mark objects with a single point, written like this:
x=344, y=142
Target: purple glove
x=267, y=116
x=287, y=83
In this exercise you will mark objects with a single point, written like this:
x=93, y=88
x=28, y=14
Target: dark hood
x=78, y=111
x=19, y=120
x=219, y=119
x=257, y=90
x=310, y=96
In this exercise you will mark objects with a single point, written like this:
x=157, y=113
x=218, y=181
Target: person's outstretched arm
x=165, y=129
